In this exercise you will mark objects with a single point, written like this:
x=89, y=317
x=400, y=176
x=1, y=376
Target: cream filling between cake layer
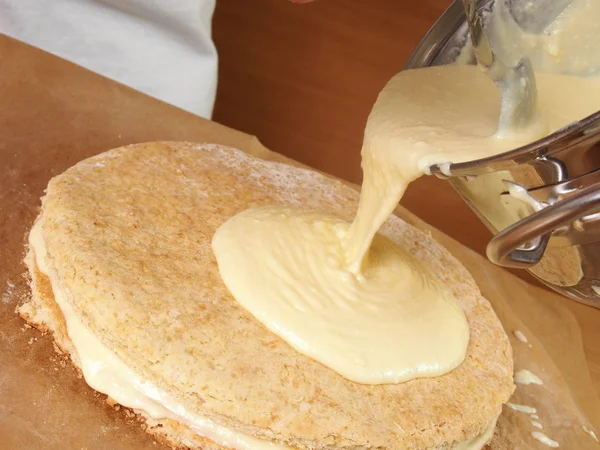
x=105, y=372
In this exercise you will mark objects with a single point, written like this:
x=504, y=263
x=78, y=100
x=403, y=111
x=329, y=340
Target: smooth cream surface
x=393, y=322
x=555, y=41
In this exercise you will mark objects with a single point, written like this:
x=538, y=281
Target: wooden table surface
x=303, y=79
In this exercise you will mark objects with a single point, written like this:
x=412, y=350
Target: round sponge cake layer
x=128, y=234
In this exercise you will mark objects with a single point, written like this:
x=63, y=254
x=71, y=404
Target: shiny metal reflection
x=560, y=242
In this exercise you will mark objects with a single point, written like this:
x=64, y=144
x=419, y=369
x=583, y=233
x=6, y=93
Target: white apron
x=160, y=47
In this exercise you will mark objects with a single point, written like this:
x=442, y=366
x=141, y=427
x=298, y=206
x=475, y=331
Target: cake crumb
x=7, y=296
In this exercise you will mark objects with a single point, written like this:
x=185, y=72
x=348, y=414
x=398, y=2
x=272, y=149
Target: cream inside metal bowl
x=542, y=200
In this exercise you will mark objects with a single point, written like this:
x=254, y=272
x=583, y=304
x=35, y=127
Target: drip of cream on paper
x=526, y=377
x=521, y=408
x=590, y=432
x=539, y=436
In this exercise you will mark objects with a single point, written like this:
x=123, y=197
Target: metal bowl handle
x=509, y=247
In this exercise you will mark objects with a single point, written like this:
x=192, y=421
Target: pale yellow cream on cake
x=348, y=298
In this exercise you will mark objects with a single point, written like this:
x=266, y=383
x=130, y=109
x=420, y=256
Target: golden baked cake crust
x=129, y=232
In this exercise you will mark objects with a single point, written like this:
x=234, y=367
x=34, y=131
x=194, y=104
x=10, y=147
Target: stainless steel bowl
x=550, y=223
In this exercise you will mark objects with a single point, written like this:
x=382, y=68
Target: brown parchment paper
x=54, y=114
